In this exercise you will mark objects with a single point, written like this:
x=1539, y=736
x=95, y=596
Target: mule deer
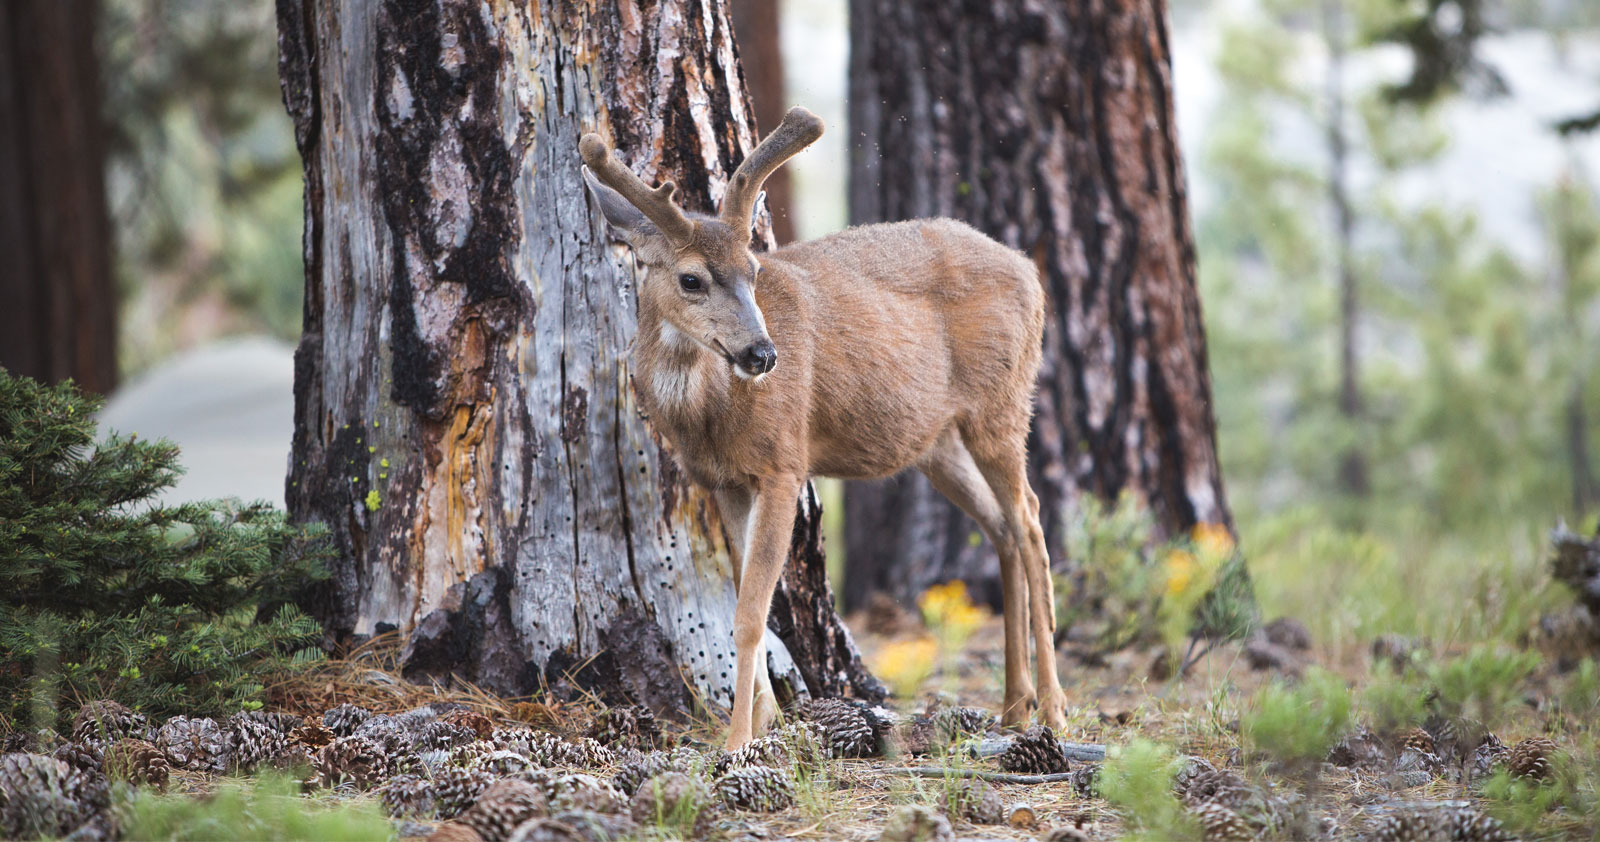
x=908, y=344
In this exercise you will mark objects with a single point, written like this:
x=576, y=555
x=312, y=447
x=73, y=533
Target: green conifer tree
x=106, y=594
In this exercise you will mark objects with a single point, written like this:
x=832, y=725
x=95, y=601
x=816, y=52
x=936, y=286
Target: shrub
x=1393, y=702
x=1482, y=684
x=1138, y=592
x=1137, y=780
x=266, y=808
x=1297, y=725
x=103, y=593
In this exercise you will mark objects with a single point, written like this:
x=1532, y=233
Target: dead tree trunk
x=59, y=319
x=464, y=422
x=1050, y=127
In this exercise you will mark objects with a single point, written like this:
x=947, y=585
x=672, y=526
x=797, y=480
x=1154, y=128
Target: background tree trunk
x=59, y=319
x=755, y=27
x=1050, y=127
x=463, y=417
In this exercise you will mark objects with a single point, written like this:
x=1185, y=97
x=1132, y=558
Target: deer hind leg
x=761, y=564
x=949, y=466
x=1005, y=469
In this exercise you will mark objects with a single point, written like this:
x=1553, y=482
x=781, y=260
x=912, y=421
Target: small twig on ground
x=1190, y=662
x=995, y=777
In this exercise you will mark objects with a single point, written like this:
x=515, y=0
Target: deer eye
x=691, y=282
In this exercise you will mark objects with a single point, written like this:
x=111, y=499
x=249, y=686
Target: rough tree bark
x=59, y=319
x=1050, y=127
x=463, y=418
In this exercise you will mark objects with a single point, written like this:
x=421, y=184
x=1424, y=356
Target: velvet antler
x=656, y=205
x=799, y=129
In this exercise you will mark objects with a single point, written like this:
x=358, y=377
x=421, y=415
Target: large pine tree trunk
x=755, y=25
x=1048, y=126
x=59, y=319
x=464, y=422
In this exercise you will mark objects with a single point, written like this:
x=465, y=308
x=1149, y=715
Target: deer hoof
x=766, y=712
x=1018, y=710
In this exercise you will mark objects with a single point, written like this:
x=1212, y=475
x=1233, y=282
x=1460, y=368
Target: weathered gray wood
x=466, y=331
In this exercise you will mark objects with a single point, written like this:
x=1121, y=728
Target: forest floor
x=1112, y=701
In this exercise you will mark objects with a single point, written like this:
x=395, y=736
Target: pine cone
x=920, y=736
x=635, y=771
x=1427, y=823
x=575, y=826
x=631, y=726
x=458, y=789
x=586, y=793
x=477, y=723
x=283, y=723
x=503, y=806
x=1418, y=740
x=549, y=750
x=1489, y=754
x=1221, y=824
x=958, y=722
x=502, y=763
x=970, y=799
x=1531, y=758
x=848, y=729
x=1086, y=780
x=313, y=735
x=386, y=731
x=138, y=762
x=1036, y=752
x=1468, y=825
x=759, y=788
x=1455, y=737
x=916, y=824
x=1288, y=633
x=1194, y=768
x=768, y=750
x=252, y=744
x=408, y=795
x=106, y=720
x=1218, y=786
x=84, y=757
x=199, y=745
x=344, y=719
x=354, y=760
x=39, y=797
x=675, y=798
x=454, y=832
x=439, y=734
x=1412, y=760
x=1357, y=750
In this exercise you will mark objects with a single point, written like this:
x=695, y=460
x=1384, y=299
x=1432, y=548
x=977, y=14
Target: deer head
x=700, y=274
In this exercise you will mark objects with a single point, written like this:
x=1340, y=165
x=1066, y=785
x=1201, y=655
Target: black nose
x=759, y=358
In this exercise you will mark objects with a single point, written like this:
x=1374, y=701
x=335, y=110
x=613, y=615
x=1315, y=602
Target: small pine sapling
x=107, y=594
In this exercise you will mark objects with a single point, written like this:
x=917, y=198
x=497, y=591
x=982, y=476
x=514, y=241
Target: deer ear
x=625, y=219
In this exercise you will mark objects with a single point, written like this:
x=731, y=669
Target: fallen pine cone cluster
x=1444, y=748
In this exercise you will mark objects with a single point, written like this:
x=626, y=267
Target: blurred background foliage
x=1476, y=426
x=203, y=176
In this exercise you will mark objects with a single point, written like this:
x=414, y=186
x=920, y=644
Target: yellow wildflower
x=1213, y=540
x=1181, y=567
x=905, y=664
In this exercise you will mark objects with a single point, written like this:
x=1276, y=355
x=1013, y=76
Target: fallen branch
x=994, y=777
x=1083, y=752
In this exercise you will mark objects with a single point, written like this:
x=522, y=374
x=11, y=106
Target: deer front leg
x=735, y=505
x=771, y=527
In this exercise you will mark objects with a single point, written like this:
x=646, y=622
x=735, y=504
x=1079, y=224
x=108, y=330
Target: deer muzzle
x=758, y=359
